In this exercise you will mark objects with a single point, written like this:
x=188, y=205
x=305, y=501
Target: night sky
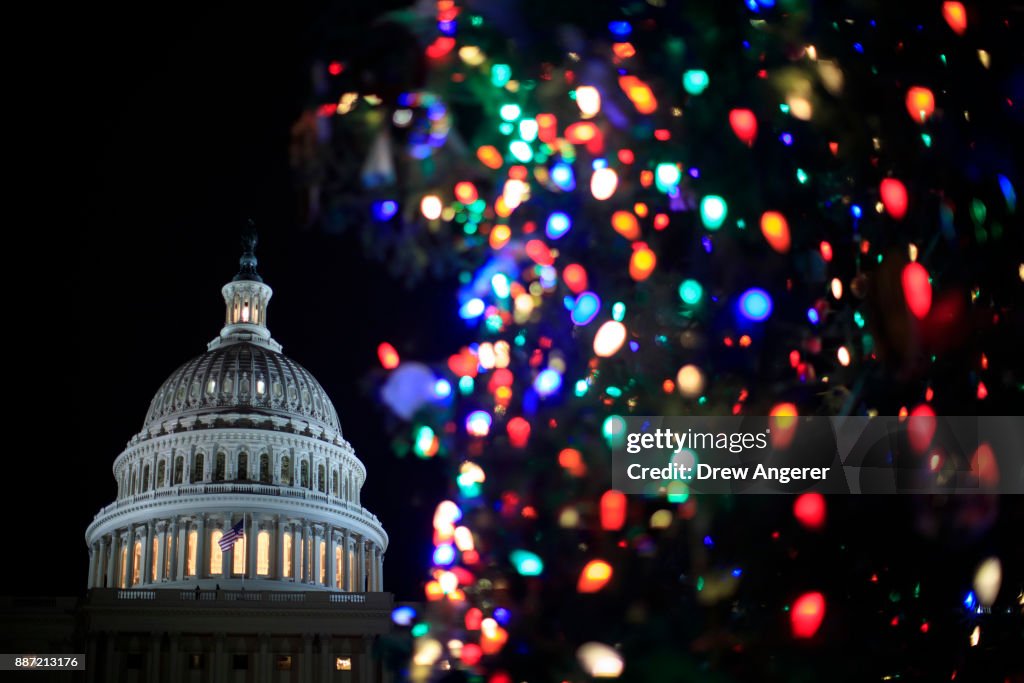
x=184, y=137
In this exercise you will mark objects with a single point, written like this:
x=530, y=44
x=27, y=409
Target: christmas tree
x=662, y=208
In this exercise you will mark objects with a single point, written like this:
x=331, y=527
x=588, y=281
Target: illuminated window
x=337, y=566
x=167, y=556
x=288, y=554
x=211, y=386
x=261, y=387
x=195, y=662
x=342, y=663
x=136, y=560
x=284, y=663
x=153, y=554
x=190, y=554
x=245, y=312
x=216, y=556
x=124, y=567
x=238, y=558
x=323, y=562
x=263, y=553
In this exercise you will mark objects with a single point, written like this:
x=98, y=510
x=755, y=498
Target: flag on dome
x=227, y=541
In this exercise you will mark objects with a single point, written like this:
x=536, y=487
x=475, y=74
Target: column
x=200, y=524
x=264, y=670
x=331, y=576
x=110, y=664
x=129, y=556
x=365, y=661
x=252, y=547
x=326, y=663
x=361, y=567
x=306, y=547
x=369, y=566
x=161, y=544
x=172, y=530
x=111, y=559
x=153, y=657
x=380, y=570
x=345, y=554
x=228, y=556
x=306, y=664
x=296, y=553
x=278, y=572
x=93, y=556
x=90, y=658
x=217, y=665
x=147, y=555
x=172, y=656
x=181, y=550
x=318, y=536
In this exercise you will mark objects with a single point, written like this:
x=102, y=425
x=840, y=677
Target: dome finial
x=247, y=264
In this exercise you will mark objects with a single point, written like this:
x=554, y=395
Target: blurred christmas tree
x=667, y=208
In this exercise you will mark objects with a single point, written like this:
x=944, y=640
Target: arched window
x=123, y=582
x=190, y=553
x=286, y=471
x=287, y=548
x=216, y=556
x=321, y=479
x=197, y=467
x=179, y=465
x=218, y=470
x=161, y=473
x=334, y=483
x=263, y=554
x=145, y=478
x=243, y=466
x=265, y=468
x=304, y=477
x=238, y=557
x=136, y=562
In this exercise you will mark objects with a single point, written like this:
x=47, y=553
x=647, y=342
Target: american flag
x=227, y=541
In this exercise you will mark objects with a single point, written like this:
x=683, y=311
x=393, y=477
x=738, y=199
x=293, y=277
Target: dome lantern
x=246, y=299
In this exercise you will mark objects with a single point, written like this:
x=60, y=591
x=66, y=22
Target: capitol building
x=240, y=442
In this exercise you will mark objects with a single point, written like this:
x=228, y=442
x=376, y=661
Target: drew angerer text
x=703, y=471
